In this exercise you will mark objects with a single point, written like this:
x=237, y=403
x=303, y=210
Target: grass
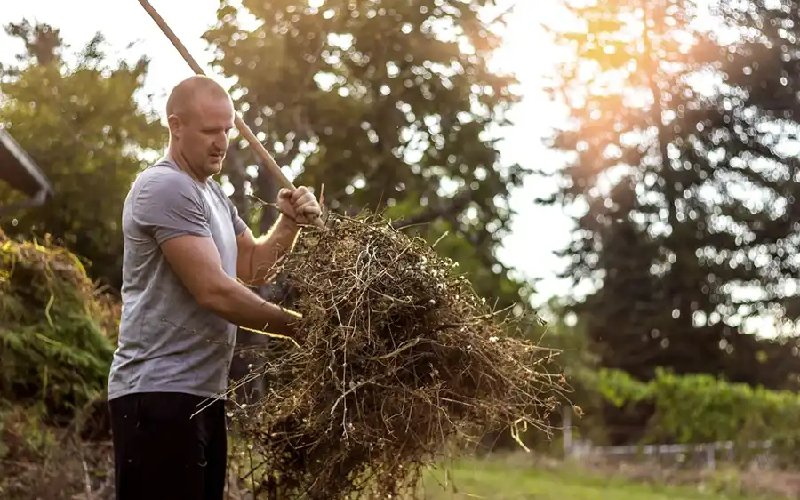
x=497, y=480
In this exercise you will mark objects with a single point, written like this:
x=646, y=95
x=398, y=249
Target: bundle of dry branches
x=399, y=359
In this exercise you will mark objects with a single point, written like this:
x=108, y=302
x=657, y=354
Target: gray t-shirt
x=167, y=341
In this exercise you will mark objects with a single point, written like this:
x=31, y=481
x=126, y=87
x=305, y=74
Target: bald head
x=193, y=92
x=200, y=115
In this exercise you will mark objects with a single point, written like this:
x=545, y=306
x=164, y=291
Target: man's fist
x=299, y=204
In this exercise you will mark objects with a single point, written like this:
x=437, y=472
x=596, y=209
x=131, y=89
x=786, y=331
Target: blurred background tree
x=681, y=163
x=77, y=117
x=392, y=105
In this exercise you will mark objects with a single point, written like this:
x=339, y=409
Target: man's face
x=202, y=133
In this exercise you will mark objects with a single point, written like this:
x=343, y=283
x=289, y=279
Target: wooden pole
x=259, y=148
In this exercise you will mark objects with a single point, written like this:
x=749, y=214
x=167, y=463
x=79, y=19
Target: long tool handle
x=259, y=148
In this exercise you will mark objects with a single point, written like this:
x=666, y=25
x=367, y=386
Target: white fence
x=709, y=453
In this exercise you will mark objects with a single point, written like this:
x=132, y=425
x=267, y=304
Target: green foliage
x=701, y=408
x=619, y=388
x=52, y=345
x=81, y=125
x=391, y=105
x=685, y=195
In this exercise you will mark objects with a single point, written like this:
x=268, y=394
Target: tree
x=391, y=105
x=689, y=206
x=81, y=124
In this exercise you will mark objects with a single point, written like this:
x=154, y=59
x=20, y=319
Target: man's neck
x=174, y=155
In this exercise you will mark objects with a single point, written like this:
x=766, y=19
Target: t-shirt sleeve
x=169, y=206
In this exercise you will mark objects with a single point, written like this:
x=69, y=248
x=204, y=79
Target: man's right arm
x=169, y=207
x=196, y=262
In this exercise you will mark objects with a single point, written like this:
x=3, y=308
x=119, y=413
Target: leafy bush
x=55, y=355
x=700, y=408
x=54, y=350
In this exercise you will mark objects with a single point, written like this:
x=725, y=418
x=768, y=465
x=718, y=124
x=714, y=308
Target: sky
x=536, y=231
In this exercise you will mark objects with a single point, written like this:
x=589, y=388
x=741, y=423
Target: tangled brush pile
x=399, y=358
x=52, y=341
x=55, y=351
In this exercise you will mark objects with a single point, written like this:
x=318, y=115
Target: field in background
x=509, y=479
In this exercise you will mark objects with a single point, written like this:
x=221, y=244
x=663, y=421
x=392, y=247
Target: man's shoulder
x=161, y=188
x=163, y=177
x=163, y=170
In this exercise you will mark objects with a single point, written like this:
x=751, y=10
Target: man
x=185, y=247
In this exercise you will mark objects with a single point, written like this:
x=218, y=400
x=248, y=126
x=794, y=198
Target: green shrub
x=700, y=408
x=54, y=350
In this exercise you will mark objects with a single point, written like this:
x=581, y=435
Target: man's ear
x=175, y=125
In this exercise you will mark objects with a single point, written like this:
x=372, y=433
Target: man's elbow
x=214, y=296
x=244, y=265
x=208, y=300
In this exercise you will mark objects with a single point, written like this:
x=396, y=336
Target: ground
x=504, y=480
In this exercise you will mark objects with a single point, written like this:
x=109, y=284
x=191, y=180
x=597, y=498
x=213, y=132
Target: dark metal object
x=19, y=170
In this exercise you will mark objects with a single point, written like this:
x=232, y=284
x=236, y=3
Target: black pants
x=161, y=451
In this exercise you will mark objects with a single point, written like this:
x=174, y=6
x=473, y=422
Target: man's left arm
x=255, y=263
x=257, y=257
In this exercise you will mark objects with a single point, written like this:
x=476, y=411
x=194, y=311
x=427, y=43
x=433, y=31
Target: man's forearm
x=269, y=249
x=237, y=304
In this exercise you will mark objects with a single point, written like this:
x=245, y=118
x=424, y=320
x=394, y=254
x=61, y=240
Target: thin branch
x=456, y=205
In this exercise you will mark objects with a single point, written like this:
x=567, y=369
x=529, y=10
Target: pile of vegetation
x=56, y=350
x=399, y=359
